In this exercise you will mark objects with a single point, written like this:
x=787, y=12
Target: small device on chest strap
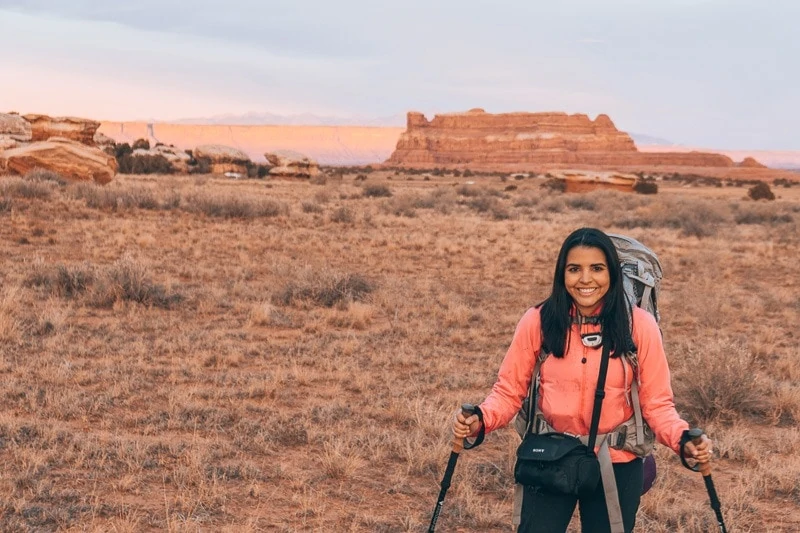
x=590, y=340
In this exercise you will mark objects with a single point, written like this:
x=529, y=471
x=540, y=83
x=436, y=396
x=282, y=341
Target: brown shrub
x=761, y=191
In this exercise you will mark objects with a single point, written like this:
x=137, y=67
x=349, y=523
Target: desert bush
x=470, y=191
x=128, y=279
x=61, y=280
x=377, y=191
x=488, y=204
x=42, y=174
x=144, y=164
x=141, y=144
x=581, y=201
x=343, y=215
x=761, y=214
x=24, y=188
x=234, y=206
x=718, y=380
x=6, y=204
x=554, y=184
x=114, y=198
x=326, y=288
x=761, y=191
x=319, y=179
x=121, y=150
x=645, y=186
x=311, y=207
x=692, y=219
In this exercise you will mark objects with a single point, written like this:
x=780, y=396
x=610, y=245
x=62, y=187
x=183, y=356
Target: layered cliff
x=484, y=140
x=329, y=145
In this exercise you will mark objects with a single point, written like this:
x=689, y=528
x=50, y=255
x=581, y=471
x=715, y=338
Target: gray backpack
x=641, y=273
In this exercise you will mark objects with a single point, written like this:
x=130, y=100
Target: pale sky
x=710, y=73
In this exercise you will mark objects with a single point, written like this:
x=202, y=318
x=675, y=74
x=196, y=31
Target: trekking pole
x=705, y=469
x=458, y=445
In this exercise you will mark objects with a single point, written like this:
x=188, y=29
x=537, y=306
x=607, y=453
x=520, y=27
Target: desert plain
x=195, y=353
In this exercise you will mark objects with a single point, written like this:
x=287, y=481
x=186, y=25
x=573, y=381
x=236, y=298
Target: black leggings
x=546, y=512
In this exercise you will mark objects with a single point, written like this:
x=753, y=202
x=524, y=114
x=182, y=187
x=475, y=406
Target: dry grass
x=193, y=354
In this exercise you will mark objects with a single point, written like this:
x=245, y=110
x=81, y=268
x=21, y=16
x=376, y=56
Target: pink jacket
x=568, y=384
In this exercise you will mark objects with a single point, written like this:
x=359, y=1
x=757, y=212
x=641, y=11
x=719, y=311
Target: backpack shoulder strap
x=533, y=390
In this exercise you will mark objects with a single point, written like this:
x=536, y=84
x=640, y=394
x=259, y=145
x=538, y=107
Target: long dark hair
x=615, y=312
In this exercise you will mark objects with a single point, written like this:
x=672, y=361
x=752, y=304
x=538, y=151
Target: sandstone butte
x=545, y=141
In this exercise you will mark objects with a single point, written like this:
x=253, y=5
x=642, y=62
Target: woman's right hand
x=465, y=426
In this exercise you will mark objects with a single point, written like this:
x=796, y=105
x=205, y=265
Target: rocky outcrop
x=178, y=159
x=555, y=140
x=14, y=127
x=72, y=160
x=287, y=163
x=749, y=162
x=102, y=140
x=44, y=127
x=223, y=158
x=582, y=181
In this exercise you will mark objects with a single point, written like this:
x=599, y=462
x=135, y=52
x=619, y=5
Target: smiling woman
x=585, y=321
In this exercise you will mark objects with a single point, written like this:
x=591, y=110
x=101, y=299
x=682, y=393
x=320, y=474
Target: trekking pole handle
x=467, y=409
x=696, y=434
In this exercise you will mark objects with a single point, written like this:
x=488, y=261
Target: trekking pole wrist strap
x=481, y=432
x=682, y=443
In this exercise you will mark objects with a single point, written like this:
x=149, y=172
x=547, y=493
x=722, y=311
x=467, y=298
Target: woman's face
x=586, y=278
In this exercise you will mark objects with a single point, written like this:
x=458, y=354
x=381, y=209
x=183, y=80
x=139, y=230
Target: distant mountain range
x=302, y=119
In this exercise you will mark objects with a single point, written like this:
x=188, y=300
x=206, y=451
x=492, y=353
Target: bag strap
x=599, y=394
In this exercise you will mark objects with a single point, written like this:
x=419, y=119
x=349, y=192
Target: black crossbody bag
x=561, y=463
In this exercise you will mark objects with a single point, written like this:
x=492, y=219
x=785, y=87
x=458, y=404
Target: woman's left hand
x=700, y=452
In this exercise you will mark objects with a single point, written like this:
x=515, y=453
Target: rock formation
x=582, y=181
x=81, y=130
x=288, y=163
x=554, y=140
x=223, y=158
x=749, y=162
x=72, y=160
x=14, y=128
x=178, y=159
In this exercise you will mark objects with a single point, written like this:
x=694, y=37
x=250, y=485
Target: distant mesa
x=749, y=162
x=518, y=141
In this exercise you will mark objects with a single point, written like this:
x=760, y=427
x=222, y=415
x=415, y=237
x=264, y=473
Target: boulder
x=223, y=158
x=44, y=127
x=14, y=127
x=288, y=163
x=582, y=180
x=73, y=160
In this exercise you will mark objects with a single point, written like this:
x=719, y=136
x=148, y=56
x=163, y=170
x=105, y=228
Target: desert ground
x=194, y=353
